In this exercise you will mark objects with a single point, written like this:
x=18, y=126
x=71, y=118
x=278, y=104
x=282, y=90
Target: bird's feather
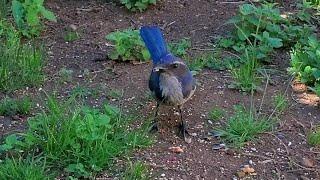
x=155, y=43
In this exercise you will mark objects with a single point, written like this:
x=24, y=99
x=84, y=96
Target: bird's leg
x=183, y=125
x=154, y=125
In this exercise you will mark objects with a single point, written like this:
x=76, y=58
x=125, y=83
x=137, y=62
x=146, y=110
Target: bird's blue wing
x=154, y=85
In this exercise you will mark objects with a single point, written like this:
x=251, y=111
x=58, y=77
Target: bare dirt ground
x=275, y=155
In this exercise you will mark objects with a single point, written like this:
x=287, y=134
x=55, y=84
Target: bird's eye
x=175, y=65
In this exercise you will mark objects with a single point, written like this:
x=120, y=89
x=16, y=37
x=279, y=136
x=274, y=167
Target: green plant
x=180, y=47
x=12, y=168
x=216, y=113
x=134, y=5
x=128, y=46
x=9, y=106
x=280, y=103
x=305, y=62
x=71, y=36
x=65, y=74
x=20, y=63
x=243, y=126
x=246, y=76
x=4, y=7
x=314, y=137
x=136, y=171
x=115, y=94
x=266, y=29
x=79, y=140
x=27, y=15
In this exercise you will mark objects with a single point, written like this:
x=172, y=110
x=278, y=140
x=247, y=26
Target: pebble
x=253, y=149
x=163, y=175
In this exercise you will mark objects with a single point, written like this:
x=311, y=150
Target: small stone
x=187, y=140
x=73, y=27
x=290, y=143
x=253, y=149
x=218, y=146
x=250, y=162
x=193, y=134
x=163, y=175
x=1, y=117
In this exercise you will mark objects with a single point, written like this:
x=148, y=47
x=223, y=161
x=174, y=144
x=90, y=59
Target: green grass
x=20, y=168
x=136, y=171
x=314, y=137
x=9, y=106
x=243, y=126
x=245, y=77
x=79, y=140
x=20, y=63
x=216, y=113
x=71, y=36
x=65, y=74
x=280, y=102
x=4, y=8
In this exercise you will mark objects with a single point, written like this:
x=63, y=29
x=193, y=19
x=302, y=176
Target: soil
x=275, y=155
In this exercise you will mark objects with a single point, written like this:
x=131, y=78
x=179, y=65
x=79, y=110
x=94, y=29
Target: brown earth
x=274, y=155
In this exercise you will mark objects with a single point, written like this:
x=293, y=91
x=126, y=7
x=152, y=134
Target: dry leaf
x=248, y=169
x=176, y=149
x=308, y=162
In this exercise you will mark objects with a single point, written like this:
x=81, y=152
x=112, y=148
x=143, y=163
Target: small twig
x=167, y=25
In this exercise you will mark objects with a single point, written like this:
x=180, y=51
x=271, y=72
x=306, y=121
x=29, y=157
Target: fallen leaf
x=176, y=149
x=241, y=174
x=247, y=169
x=308, y=162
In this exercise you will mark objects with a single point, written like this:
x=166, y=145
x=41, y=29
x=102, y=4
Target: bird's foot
x=184, y=132
x=154, y=127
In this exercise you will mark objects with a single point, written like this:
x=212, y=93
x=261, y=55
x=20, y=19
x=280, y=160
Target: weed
x=305, y=62
x=141, y=5
x=27, y=15
x=65, y=74
x=12, y=168
x=80, y=140
x=10, y=107
x=115, y=94
x=216, y=113
x=4, y=7
x=266, y=29
x=180, y=47
x=280, y=103
x=71, y=36
x=314, y=137
x=243, y=126
x=136, y=171
x=20, y=64
x=245, y=77
x=128, y=46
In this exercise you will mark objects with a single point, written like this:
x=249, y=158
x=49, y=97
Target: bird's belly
x=171, y=90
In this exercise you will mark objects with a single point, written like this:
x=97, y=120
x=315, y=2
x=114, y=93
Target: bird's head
x=173, y=68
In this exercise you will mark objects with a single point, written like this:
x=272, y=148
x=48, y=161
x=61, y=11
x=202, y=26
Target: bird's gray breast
x=171, y=89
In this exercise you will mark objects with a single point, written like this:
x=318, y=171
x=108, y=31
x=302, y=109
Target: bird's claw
x=184, y=132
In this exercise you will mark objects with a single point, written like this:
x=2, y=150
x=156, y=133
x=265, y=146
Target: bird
x=171, y=81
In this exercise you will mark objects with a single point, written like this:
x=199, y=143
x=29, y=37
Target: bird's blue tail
x=154, y=42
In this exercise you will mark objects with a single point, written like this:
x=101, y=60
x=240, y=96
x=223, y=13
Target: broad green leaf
x=48, y=14
x=247, y=9
x=18, y=13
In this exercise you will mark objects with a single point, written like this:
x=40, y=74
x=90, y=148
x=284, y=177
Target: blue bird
x=171, y=81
